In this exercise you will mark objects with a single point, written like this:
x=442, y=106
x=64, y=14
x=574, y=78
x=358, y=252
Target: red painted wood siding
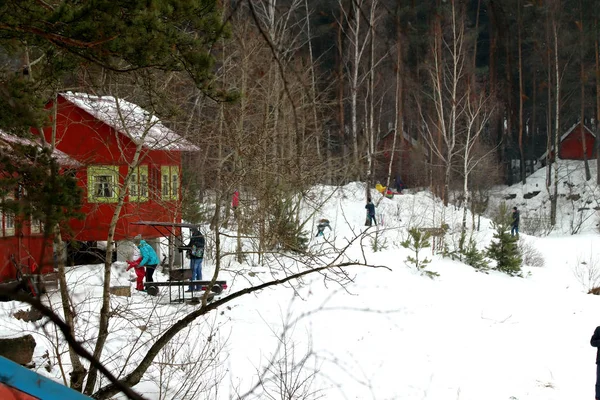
x=92, y=142
x=571, y=147
x=27, y=249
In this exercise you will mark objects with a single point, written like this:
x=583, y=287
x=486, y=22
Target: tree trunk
x=476, y=35
x=354, y=79
x=586, y=164
x=554, y=199
x=533, y=125
x=597, y=124
x=521, y=94
x=508, y=141
x=371, y=98
x=340, y=89
x=550, y=158
x=398, y=120
x=313, y=87
x=78, y=373
x=105, y=310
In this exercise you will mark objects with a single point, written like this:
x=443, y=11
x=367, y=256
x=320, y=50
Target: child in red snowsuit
x=140, y=272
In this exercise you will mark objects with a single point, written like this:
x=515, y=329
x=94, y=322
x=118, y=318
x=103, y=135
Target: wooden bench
x=153, y=288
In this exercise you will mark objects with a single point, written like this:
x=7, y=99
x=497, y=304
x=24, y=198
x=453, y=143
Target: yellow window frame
x=170, y=182
x=97, y=183
x=138, y=184
x=35, y=225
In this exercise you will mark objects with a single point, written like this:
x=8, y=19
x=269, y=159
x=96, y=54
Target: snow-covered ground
x=389, y=332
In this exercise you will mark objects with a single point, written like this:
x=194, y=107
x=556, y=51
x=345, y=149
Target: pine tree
x=418, y=241
x=505, y=249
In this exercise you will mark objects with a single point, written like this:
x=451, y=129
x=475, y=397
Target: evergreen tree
x=474, y=257
x=505, y=249
x=417, y=242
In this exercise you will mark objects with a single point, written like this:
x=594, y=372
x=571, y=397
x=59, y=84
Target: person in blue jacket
x=595, y=342
x=149, y=258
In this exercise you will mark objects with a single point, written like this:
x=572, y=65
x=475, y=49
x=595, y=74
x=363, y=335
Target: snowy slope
x=390, y=333
x=578, y=201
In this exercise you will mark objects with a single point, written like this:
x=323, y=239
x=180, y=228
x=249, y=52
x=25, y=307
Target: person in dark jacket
x=370, y=213
x=149, y=258
x=595, y=342
x=323, y=223
x=514, y=227
x=399, y=184
x=196, y=255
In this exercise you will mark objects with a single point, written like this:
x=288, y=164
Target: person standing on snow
x=323, y=223
x=370, y=213
x=196, y=255
x=235, y=200
x=595, y=342
x=514, y=228
x=149, y=258
x=140, y=272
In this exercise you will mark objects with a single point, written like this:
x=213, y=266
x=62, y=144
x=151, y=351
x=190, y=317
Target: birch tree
x=353, y=30
x=557, y=98
x=478, y=110
x=447, y=93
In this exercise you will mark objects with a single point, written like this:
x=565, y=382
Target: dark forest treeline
x=288, y=93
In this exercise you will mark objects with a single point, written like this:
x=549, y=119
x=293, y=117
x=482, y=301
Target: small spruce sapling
x=417, y=241
x=505, y=249
x=474, y=257
x=378, y=243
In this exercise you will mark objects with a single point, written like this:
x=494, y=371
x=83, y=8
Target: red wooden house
x=403, y=163
x=22, y=241
x=571, y=144
x=102, y=133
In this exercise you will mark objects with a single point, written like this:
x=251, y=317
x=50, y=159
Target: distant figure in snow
x=323, y=223
x=149, y=258
x=235, y=200
x=514, y=227
x=370, y=213
x=380, y=188
x=595, y=342
x=399, y=184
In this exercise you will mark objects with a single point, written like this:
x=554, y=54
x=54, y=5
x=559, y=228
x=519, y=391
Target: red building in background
x=405, y=158
x=571, y=144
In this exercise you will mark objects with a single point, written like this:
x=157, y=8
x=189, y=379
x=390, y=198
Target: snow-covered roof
x=564, y=136
x=130, y=120
x=62, y=158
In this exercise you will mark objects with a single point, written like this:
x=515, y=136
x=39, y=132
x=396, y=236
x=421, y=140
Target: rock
x=28, y=316
x=19, y=350
x=531, y=194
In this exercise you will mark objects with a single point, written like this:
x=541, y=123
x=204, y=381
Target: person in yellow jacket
x=380, y=188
